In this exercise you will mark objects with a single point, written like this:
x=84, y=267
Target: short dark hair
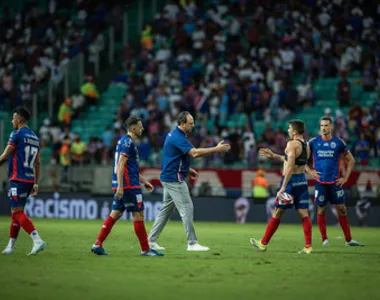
x=326, y=119
x=132, y=121
x=297, y=125
x=23, y=112
x=182, y=117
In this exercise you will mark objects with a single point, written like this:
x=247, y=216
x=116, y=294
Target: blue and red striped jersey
x=21, y=161
x=128, y=148
x=326, y=156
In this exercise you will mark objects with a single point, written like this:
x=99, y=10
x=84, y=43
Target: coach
x=175, y=169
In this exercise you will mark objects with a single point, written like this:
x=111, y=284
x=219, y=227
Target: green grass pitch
x=231, y=270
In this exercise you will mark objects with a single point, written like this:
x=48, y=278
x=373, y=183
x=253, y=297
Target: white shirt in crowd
x=324, y=18
x=287, y=57
x=163, y=54
x=220, y=42
x=78, y=100
x=171, y=11
x=198, y=38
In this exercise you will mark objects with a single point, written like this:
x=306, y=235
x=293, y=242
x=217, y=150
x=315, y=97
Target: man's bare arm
x=7, y=152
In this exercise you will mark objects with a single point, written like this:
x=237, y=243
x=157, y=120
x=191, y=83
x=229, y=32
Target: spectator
x=40, y=72
x=354, y=114
x=78, y=102
x=44, y=131
x=268, y=137
x=362, y=150
x=260, y=185
x=107, y=138
x=65, y=113
x=89, y=90
x=120, y=78
x=7, y=84
x=77, y=151
x=95, y=150
x=147, y=38
x=96, y=48
x=344, y=91
x=65, y=159
x=67, y=133
x=26, y=91
x=207, y=67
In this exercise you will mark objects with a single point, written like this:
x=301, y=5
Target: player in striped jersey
x=126, y=181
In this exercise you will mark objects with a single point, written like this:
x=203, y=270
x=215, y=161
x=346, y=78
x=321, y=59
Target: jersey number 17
x=30, y=156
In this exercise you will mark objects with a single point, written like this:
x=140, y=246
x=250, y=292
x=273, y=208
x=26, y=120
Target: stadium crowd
x=38, y=42
x=235, y=63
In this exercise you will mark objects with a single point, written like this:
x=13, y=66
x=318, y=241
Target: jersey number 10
x=30, y=156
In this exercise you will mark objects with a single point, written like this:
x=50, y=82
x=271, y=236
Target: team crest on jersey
x=333, y=145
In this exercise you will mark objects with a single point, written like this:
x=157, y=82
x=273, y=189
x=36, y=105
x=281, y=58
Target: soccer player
x=175, y=169
x=294, y=183
x=126, y=181
x=326, y=152
x=23, y=155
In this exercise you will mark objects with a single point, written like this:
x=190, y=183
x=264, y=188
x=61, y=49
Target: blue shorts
x=325, y=193
x=132, y=201
x=297, y=187
x=18, y=193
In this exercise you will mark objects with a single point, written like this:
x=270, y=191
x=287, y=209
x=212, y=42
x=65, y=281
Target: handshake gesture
x=222, y=147
x=267, y=153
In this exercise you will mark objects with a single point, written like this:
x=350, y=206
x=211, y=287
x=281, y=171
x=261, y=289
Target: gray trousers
x=176, y=194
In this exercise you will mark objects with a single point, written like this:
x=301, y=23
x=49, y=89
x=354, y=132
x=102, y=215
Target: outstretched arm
x=268, y=153
x=201, y=152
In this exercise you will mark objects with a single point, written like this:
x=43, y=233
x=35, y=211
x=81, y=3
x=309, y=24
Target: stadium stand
x=243, y=68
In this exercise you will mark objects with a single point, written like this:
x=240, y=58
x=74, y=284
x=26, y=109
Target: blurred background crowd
x=242, y=68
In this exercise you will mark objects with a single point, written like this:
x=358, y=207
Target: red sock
x=322, y=226
x=24, y=221
x=307, y=230
x=105, y=231
x=271, y=229
x=343, y=220
x=141, y=234
x=15, y=228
